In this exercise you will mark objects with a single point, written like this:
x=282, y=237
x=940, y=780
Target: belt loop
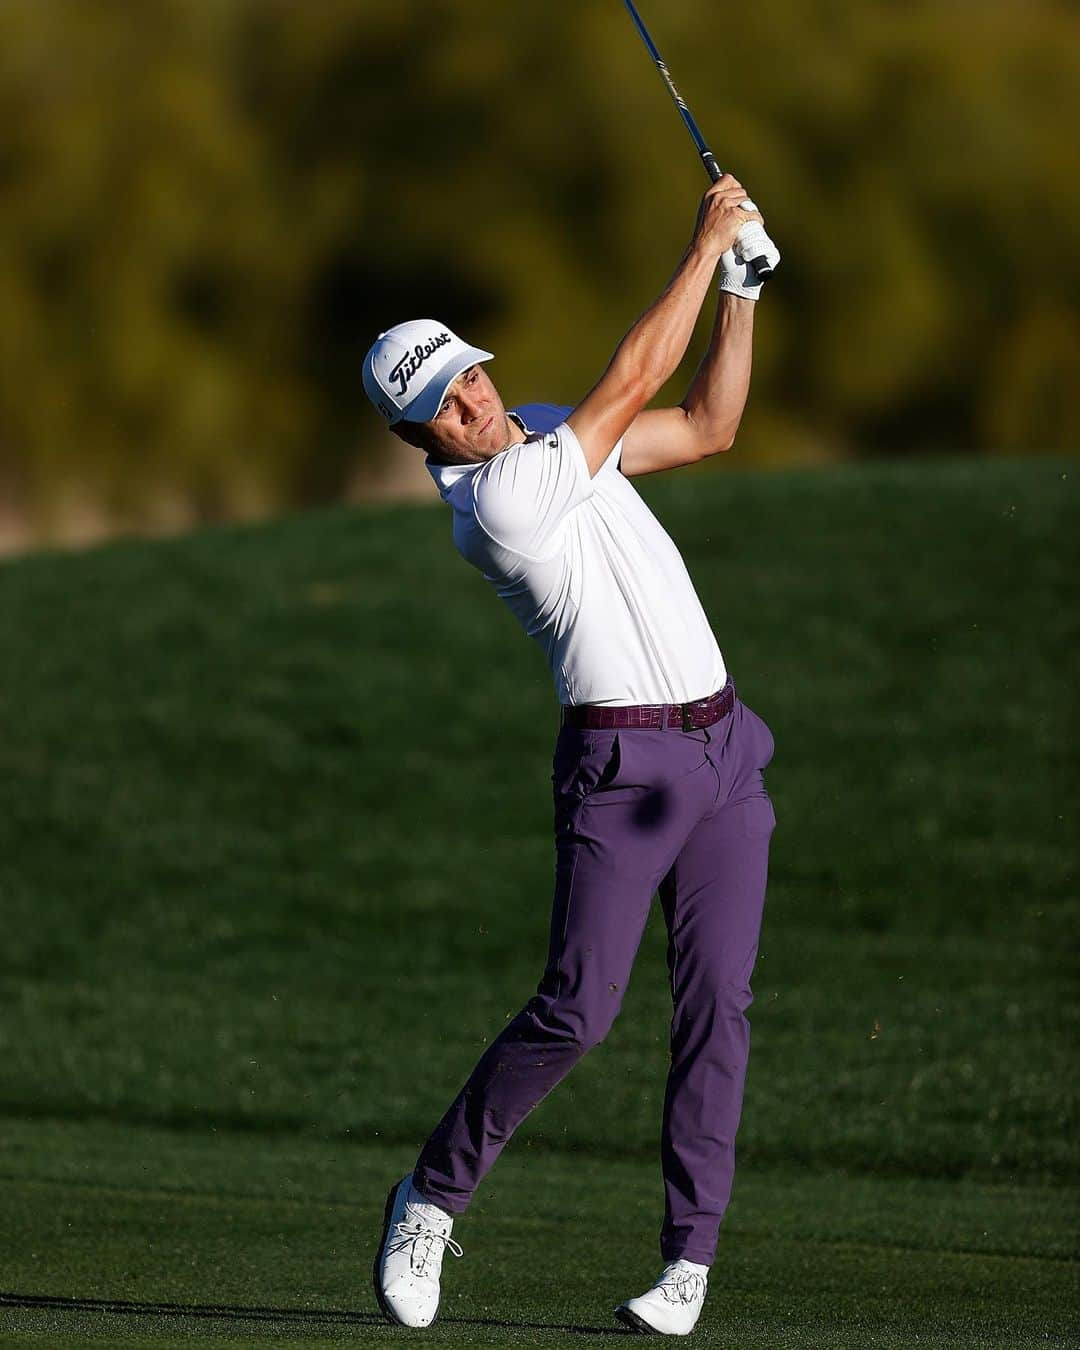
x=687, y=720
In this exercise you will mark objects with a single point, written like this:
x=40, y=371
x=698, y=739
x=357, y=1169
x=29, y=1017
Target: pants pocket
x=583, y=761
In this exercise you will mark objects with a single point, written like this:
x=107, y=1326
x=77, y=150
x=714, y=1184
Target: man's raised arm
x=653, y=348
x=706, y=420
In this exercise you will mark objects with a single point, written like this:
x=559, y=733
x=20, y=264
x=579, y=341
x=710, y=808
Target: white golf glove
x=737, y=273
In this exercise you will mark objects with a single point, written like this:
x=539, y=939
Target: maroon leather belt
x=703, y=712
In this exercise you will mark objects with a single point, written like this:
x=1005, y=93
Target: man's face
x=471, y=425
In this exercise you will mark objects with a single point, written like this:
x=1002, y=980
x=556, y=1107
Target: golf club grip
x=760, y=264
x=753, y=236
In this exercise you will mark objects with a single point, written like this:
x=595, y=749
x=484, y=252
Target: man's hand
x=722, y=215
x=739, y=278
x=754, y=245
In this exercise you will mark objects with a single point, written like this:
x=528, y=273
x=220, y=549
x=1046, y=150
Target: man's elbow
x=711, y=436
x=718, y=442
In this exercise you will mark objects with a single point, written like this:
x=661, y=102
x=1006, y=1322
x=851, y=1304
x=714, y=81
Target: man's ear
x=412, y=433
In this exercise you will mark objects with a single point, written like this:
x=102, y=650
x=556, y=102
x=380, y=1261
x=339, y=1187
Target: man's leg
x=625, y=803
x=713, y=899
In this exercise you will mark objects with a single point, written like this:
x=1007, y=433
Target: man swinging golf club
x=657, y=771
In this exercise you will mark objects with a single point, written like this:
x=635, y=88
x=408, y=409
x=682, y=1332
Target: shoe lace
x=682, y=1286
x=426, y=1241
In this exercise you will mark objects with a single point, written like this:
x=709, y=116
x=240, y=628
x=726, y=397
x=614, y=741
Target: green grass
x=263, y=907
x=275, y=1233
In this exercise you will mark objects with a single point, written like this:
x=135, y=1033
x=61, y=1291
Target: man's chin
x=495, y=446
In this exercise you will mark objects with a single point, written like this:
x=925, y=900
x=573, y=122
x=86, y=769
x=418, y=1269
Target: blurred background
x=210, y=208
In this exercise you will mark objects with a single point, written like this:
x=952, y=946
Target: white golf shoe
x=673, y=1305
x=409, y=1260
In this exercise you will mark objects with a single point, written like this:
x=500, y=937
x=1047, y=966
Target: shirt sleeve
x=547, y=416
x=523, y=495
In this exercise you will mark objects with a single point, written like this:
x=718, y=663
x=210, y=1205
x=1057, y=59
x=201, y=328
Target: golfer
x=657, y=771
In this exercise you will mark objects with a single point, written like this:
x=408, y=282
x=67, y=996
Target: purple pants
x=636, y=812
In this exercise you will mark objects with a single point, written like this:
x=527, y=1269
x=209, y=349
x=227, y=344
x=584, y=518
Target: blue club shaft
x=713, y=169
x=708, y=158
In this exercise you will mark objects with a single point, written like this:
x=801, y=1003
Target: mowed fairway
x=275, y=863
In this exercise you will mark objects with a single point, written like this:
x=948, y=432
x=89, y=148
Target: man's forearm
x=654, y=346
x=651, y=351
x=717, y=395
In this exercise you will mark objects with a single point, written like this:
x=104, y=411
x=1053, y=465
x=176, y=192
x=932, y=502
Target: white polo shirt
x=588, y=570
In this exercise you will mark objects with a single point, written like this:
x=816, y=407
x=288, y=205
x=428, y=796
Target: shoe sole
x=635, y=1323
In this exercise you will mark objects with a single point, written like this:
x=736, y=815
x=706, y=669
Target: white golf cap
x=410, y=367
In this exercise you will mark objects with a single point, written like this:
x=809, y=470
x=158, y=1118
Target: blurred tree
x=210, y=207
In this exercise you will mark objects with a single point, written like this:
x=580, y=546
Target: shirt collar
x=447, y=476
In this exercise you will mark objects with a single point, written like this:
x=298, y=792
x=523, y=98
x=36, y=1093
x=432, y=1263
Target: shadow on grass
x=232, y=1313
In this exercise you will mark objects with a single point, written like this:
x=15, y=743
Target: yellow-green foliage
x=211, y=206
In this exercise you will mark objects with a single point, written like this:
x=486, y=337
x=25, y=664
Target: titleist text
x=411, y=362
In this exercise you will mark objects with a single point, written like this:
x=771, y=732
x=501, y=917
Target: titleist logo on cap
x=411, y=362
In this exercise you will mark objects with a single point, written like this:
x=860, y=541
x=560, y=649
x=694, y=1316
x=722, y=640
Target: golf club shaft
x=760, y=265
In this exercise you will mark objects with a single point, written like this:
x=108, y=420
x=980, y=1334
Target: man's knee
x=711, y=1005
x=574, y=1021
x=729, y=999
x=736, y=996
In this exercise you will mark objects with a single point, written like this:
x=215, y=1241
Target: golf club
x=752, y=234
